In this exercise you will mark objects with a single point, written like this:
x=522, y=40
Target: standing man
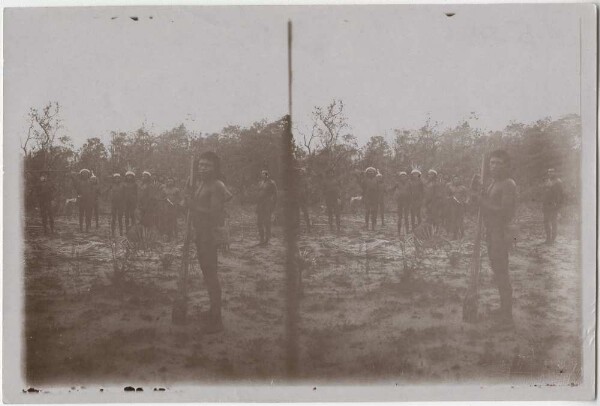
x=553, y=197
x=446, y=201
x=371, y=196
x=130, y=194
x=417, y=191
x=147, y=201
x=159, y=184
x=172, y=199
x=303, y=198
x=333, y=199
x=433, y=198
x=206, y=200
x=95, y=198
x=457, y=197
x=45, y=195
x=85, y=199
x=498, y=205
x=381, y=197
x=117, y=204
x=267, y=199
x=402, y=189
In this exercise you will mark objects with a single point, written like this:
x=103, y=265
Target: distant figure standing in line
x=267, y=200
x=370, y=188
x=117, y=204
x=402, y=190
x=447, y=202
x=303, y=198
x=381, y=197
x=85, y=197
x=553, y=196
x=333, y=199
x=45, y=195
x=147, y=201
x=130, y=194
x=95, y=198
x=417, y=191
x=433, y=198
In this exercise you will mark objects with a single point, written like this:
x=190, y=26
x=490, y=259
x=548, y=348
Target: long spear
x=179, y=313
x=470, y=303
x=291, y=207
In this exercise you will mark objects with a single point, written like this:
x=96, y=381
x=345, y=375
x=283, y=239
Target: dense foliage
x=455, y=150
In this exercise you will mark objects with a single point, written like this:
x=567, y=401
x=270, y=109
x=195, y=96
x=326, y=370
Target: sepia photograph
x=299, y=203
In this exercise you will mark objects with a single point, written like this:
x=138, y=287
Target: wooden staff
x=470, y=304
x=179, y=314
x=290, y=207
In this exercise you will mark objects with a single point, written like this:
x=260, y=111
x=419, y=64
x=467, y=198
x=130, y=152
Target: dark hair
x=214, y=158
x=501, y=154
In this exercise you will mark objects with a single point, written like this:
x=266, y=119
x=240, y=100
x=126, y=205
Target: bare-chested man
x=206, y=200
x=498, y=206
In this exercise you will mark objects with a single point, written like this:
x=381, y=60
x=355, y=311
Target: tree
x=119, y=150
x=142, y=149
x=172, y=152
x=43, y=132
x=417, y=148
x=329, y=129
x=377, y=152
x=93, y=155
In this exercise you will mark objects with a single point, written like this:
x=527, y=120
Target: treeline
x=329, y=143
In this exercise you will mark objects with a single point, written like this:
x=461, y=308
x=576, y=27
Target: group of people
x=440, y=203
x=443, y=204
x=156, y=202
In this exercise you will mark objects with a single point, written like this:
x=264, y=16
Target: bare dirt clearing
x=362, y=315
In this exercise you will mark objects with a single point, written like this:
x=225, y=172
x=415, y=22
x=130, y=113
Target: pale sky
x=208, y=67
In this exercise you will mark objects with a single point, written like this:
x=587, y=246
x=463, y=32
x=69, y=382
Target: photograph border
x=12, y=351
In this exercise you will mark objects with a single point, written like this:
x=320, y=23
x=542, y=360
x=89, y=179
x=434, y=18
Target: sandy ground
x=363, y=317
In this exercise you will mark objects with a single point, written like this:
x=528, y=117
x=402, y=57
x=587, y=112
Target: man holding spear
x=497, y=205
x=205, y=200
